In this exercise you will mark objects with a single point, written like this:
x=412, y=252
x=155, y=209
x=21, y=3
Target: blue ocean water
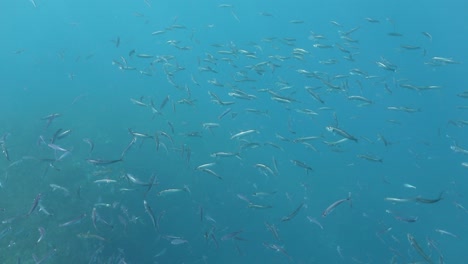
x=352, y=114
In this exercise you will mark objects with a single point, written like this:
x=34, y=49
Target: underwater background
x=233, y=132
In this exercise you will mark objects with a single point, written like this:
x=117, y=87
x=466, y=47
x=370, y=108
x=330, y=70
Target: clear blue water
x=85, y=61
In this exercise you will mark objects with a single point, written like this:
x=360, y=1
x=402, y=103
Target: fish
x=417, y=199
x=341, y=133
x=35, y=203
x=418, y=248
x=178, y=241
x=211, y=172
x=88, y=235
x=370, y=158
x=443, y=232
x=407, y=185
x=42, y=234
x=145, y=56
x=305, y=139
x=105, y=181
x=5, y=231
x=56, y=147
x=74, y=221
x=63, y=134
x=50, y=118
x=44, y=258
x=302, y=165
x=315, y=221
x=5, y=150
x=293, y=214
x=428, y=201
x=90, y=143
x=164, y=102
x=244, y=133
x=371, y=20
x=400, y=200
x=138, y=102
x=204, y=166
x=231, y=235
x=103, y=162
x=277, y=249
x=58, y=187
x=150, y=213
x=259, y=206
x=169, y=191
x=150, y=184
x=158, y=32
x=274, y=231
x=264, y=168
x=360, y=98
x=335, y=204
x=404, y=109
x=225, y=154
x=138, y=134
x=427, y=34
x=224, y=113
x=94, y=217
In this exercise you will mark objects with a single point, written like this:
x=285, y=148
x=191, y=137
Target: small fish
x=34, y=205
x=264, y=169
x=341, y=133
x=169, y=191
x=5, y=231
x=272, y=228
x=224, y=113
x=400, y=200
x=178, y=241
x=443, y=232
x=4, y=149
x=429, y=36
x=73, y=221
x=418, y=248
x=63, y=134
x=428, y=201
x=370, y=158
x=42, y=234
x=150, y=213
x=144, y=56
x=305, y=139
x=259, y=206
x=224, y=154
x=212, y=173
x=138, y=134
x=204, y=166
x=159, y=32
x=105, y=181
x=231, y=235
x=335, y=204
x=407, y=185
x=293, y=214
x=58, y=187
x=90, y=143
x=89, y=235
x=164, y=102
x=315, y=221
x=103, y=162
x=302, y=165
x=260, y=194
x=407, y=219
x=244, y=133
x=57, y=148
